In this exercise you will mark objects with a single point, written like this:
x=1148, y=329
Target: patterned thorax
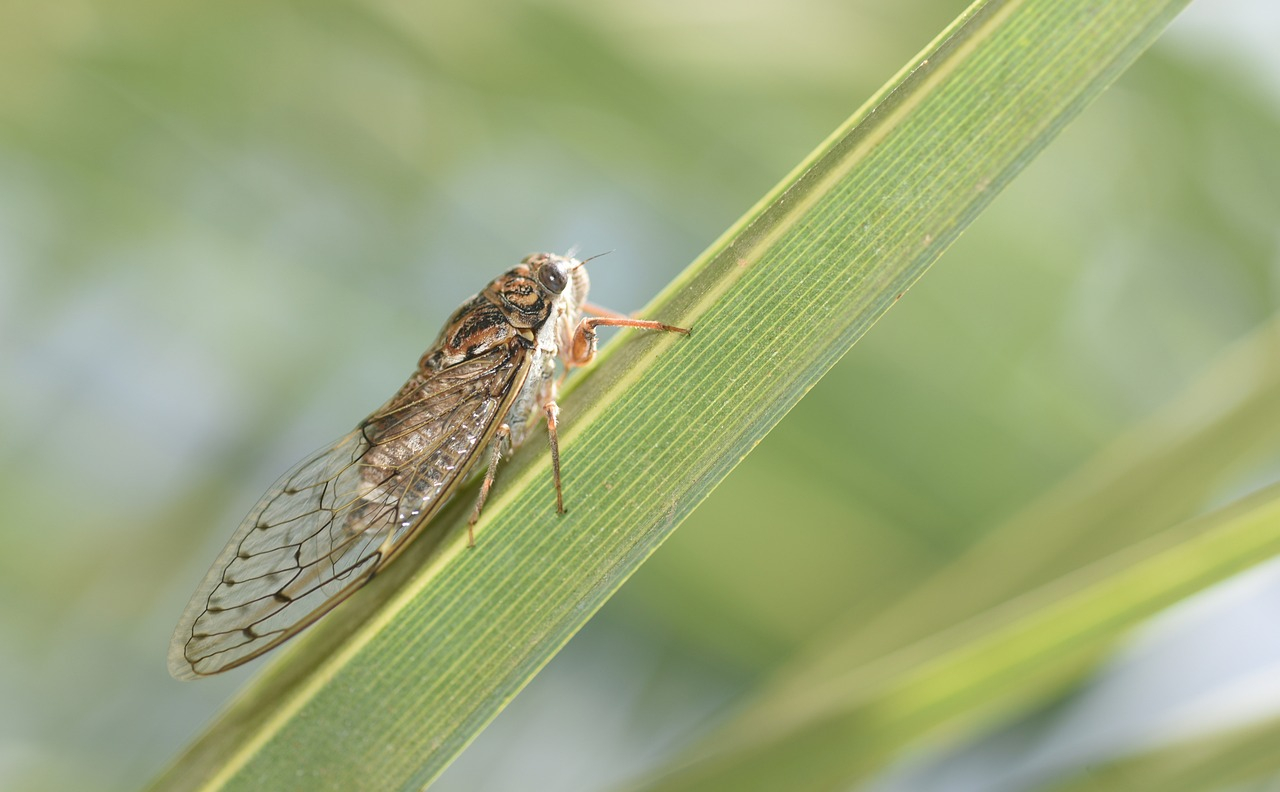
x=513, y=307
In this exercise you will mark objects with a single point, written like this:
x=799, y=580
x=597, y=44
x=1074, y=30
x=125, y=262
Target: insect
x=338, y=517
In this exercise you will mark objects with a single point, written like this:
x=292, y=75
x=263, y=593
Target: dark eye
x=553, y=278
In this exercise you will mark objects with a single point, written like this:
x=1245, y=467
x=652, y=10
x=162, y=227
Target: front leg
x=583, y=349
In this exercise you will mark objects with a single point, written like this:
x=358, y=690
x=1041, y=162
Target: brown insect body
x=342, y=514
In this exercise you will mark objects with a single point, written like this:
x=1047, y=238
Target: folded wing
x=339, y=516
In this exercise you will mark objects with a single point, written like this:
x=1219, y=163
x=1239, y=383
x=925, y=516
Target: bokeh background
x=227, y=231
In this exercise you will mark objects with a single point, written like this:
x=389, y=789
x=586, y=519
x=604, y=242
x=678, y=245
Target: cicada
x=342, y=514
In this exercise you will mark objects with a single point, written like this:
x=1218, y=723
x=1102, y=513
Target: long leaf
x=388, y=690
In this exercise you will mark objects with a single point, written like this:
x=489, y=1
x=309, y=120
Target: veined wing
x=338, y=517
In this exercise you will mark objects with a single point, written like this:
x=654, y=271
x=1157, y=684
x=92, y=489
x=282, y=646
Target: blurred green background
x=228, y=230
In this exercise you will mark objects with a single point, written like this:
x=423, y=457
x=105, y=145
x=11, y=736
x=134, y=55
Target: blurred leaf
x=1235, y=760
x=1152, y=476
x=846, y=727
x=389, y=688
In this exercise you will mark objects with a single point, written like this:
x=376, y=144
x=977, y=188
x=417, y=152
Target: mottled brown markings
x=524, y=297
x=524, y=301
x=478, y=327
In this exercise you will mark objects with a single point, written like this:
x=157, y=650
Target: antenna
x=590, y=258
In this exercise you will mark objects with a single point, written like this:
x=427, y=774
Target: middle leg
x=501, y=437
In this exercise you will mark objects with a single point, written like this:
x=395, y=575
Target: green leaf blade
x=385, y=693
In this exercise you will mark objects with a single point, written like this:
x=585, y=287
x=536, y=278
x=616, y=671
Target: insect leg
x=584, y=336
x=553, y=421
x=502, y=436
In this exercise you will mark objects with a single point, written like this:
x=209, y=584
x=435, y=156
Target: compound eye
x=553, y=277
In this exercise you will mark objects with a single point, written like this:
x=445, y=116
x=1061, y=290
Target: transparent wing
x=330, y=523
